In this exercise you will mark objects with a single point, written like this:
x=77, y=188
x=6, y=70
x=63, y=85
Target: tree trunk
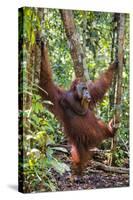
x=121, y=34
x=114, y=52
x=40, y=13
x=120, y=56
x=74, y=44
x=86, y=74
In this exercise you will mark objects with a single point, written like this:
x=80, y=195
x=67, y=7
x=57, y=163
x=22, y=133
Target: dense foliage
x=40, y=128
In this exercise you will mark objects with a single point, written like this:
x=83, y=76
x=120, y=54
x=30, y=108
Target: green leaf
x=62, y=149
x=32, y=37
x=51, y=186
x=61, y=168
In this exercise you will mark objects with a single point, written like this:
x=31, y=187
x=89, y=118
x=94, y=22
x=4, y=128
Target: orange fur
x=84, y=131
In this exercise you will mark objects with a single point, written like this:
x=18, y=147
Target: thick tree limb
x=106, y=168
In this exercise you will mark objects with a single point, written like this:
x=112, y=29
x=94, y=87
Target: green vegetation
x=39, y=129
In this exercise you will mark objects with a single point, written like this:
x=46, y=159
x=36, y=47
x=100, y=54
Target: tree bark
x=120, y=56
x=114, y=52
x=74, y=43
x=121, y=35
x=40, y=13
x=107, y=168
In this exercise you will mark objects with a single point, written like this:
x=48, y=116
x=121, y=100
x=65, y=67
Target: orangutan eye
x=84, y=88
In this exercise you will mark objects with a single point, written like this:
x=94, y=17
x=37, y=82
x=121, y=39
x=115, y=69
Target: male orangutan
x=74, y=108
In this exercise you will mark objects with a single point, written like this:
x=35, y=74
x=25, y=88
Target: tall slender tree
x=76, y=49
